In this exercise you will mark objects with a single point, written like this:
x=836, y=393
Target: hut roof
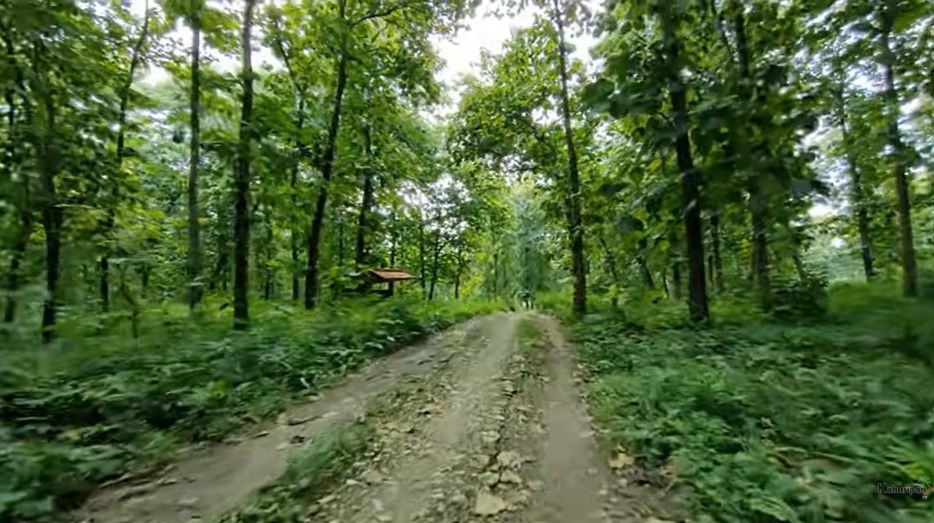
x=387, y=274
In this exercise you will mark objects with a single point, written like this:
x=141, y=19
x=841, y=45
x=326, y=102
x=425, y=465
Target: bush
x=800, y=299
x=774, y=421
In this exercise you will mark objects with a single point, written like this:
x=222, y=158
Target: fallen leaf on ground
x=622, y=460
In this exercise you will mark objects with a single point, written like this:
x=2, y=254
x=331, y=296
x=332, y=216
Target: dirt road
x=493, y=429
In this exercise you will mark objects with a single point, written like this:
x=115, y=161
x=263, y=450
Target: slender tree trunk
x=690, y=181
x=16, y=260
x=646, y=273
x=421, y=253
x=611, y=265
x=327, y=168
x=459, y=256
x=293, y=186
x=242, y=181
x=52, y=213
x=13, y=159
x=299, y=154
x=104, y=284
x=434, y=265
x=109, y=223
x=144, y=271
x=758, y=205
x=799, y=267
x=676, y=278
x=576, y=224
x=194, y=161
x=760, y=246
x=392, y=252
x=360, y=254
x=717, y=261
x=268, y=277
x=857, y=197
x=899, y=158
x=495, y=285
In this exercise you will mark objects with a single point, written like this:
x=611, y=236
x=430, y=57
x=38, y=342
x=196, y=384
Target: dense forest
x=716, y=185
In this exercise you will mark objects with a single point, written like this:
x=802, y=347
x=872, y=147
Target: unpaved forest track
x=491, y=428
x=211, y=481
x=503, y=437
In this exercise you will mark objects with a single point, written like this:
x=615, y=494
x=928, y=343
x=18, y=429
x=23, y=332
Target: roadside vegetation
x=769, y=420
x=209, y=209
x=97, y=409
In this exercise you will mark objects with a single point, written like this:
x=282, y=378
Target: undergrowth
x=75, y=416
x=774, y=421
x=325, y=459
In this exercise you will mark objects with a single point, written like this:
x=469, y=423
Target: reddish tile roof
x=390, y=274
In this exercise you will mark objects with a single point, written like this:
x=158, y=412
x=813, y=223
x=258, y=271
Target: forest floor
x=484, y=421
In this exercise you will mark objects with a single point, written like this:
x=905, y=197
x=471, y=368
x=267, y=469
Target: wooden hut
x=383, y=280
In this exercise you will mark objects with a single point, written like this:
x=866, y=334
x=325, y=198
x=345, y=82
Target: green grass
x=319, y=463
x=530, y=336
x=94, y=407
x=768, y=421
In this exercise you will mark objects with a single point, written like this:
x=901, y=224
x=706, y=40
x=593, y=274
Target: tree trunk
x=194, y=161
x=434, y=265
x=12, y=159
x=52, y=213
x=327, y=168
x=268, y=276
x=242, y=181
x=758, y=207
x=690, y=181
x=109, y=222
x=676, y=278
x=717, y=261
x=299, y=153
x=496, y=272
x=104, y=266
x=392, y=252
x=611, y=265
x=293, y=185
x=857, y=197
x=576, y=224
x=421, y=253
x=360, y=254
x=144, y=271
x=899, y=157
x=16, y=260
x=760, y=245
x=457, y=274
x=646, y=273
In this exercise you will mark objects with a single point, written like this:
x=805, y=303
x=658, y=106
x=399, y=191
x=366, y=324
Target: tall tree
x=13, y=150
x=194, y=157
x=242, y=209
x=690, y=178
x=123, y=95
x=888, y=13
x=857, y=192
x=326, y=162
x=47, y=150
x=576, y=224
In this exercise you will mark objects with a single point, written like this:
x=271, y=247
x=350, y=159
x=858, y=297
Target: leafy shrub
x=800, y=299
x=772, y=421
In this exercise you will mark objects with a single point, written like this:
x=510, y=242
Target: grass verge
x=326, y=459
